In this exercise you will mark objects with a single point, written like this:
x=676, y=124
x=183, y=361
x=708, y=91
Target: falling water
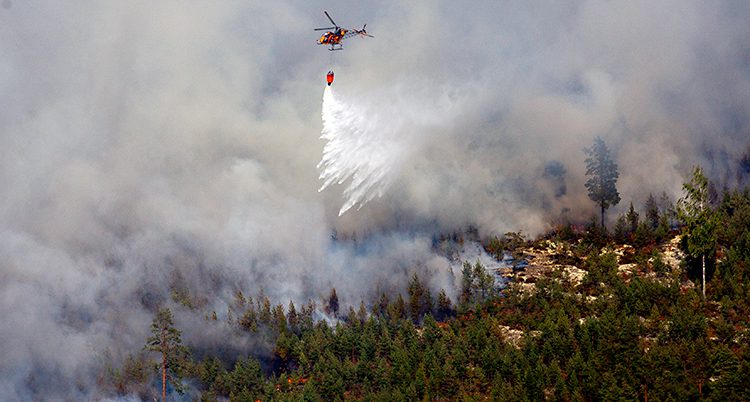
x=370, y=139
x=359, y=150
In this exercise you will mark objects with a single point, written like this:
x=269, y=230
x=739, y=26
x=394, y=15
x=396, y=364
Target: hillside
x=581, y=317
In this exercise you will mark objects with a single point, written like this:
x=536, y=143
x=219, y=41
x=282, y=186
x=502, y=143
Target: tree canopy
x=694, y=210
x=603, y=173
x=167, y=340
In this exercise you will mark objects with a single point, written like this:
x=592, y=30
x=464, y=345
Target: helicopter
x=336, y=34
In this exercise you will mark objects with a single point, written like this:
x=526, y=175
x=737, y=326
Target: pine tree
x=604, y=174
x=292, y=317
x=483, y=281
x=397, y=309
x=428, y=305
x=652, y=212
x=380, y=308
x=249, y=320
x=166, y=339
x=633, y=219
x=621, y=230
x=332, y=306
x=467, y=283
x=279, y=318
x=444, y=306
x=362, y=312
x=416, y=292
x=264, y=308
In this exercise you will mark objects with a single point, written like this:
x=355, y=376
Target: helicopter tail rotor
x=363, y=32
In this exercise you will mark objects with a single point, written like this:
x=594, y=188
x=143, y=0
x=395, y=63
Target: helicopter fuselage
x=332, y=37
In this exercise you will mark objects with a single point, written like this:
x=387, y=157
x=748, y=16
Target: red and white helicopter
x=336, y=34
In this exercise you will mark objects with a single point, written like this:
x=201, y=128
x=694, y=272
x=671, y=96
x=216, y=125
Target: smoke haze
x=153, y=146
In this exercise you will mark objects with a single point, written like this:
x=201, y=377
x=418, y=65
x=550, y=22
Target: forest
x=635, y=326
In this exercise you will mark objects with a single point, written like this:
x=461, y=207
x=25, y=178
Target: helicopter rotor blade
x=324, y=29
x=330, y=19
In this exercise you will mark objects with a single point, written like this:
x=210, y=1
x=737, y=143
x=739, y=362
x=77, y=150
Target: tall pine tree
x=603, y=176
x=166, y=339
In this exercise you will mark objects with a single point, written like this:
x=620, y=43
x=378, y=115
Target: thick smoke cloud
x=153, y=146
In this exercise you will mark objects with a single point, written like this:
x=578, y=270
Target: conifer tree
x=444, y=306
x=279, y=318
x=621, y=230
x=633, y=219
x=264, y=308
x=467, y=283
x=397, y=309
x=249, y=320
x=483, y=281
x=416, y=292
x=604, y=174
x=166, y=339
x=362, y=312
x=332, y=306
x=380, y=308
x=652, y=212
x=292, y=317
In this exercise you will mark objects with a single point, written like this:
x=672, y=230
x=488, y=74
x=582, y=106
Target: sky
x=150, y=146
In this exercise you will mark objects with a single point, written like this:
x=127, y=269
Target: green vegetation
x=635, y=326
x=695, y=212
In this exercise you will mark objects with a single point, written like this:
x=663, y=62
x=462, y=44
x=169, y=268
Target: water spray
x=355, y=151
